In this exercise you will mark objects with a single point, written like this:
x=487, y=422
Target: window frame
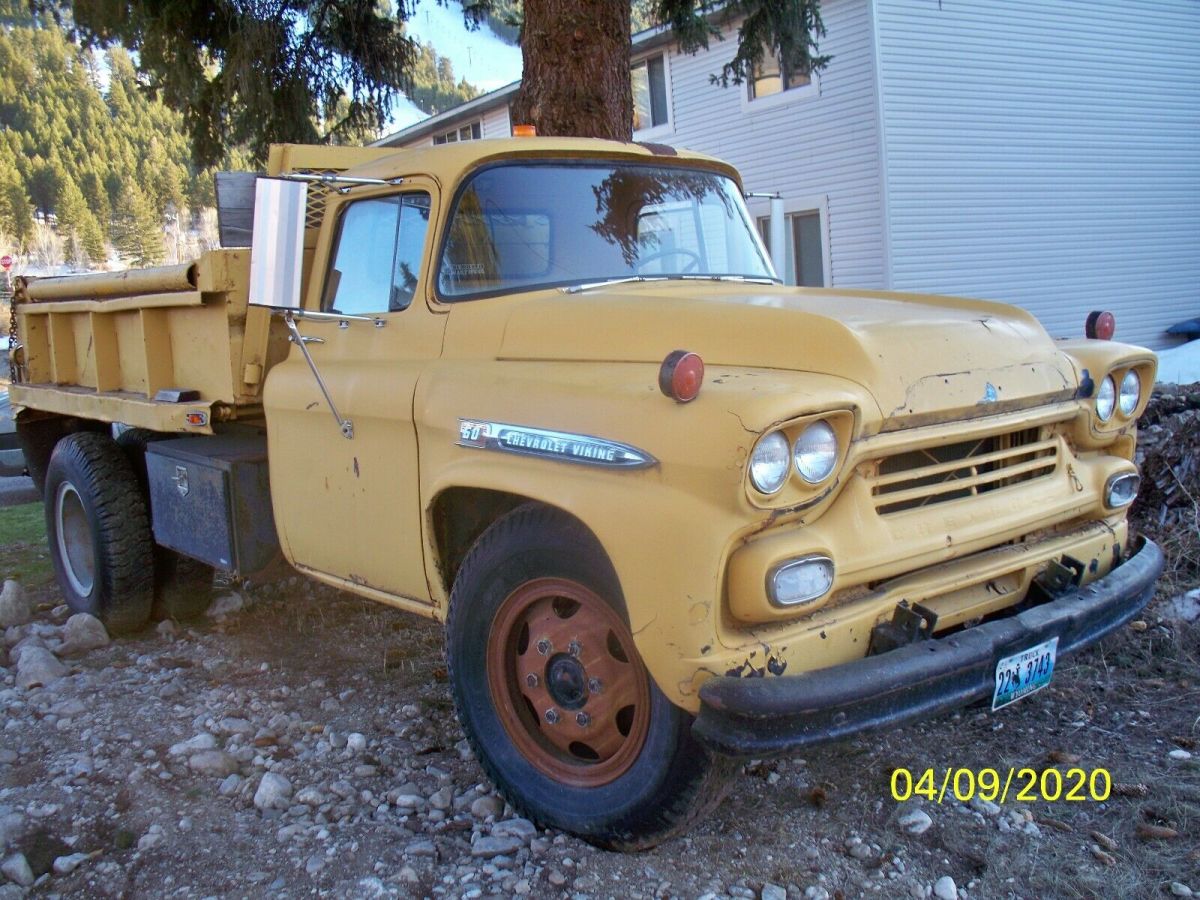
x=809, y=91
x=813, y=203
x=457, y=132
x=667, y=127
x=325, y=302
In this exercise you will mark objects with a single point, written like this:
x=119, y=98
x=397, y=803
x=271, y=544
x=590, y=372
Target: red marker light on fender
x=681, y=375
x=1101, y=325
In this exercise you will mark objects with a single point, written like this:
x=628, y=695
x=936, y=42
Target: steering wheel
x=691, y=265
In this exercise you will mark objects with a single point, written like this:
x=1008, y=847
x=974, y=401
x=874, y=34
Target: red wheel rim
x=567, y=683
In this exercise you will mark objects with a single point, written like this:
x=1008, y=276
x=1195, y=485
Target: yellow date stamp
x=1000, y=785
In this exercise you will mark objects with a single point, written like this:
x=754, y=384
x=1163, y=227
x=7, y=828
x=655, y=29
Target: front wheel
x=555, y=699
x=99, y=532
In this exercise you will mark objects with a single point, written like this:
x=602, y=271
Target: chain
x=12, y=330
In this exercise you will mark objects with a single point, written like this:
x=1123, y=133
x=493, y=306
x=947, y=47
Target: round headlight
x=1106, y=399
x=816, y=452
x=769, y=463
x=1131, y=393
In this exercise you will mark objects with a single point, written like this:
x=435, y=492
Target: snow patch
x=1180, y=365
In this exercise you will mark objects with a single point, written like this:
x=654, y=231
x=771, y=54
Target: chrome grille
x=931, y=475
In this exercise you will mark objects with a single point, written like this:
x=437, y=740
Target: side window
x=377, y=259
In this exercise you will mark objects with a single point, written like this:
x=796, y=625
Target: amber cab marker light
x=681, y=375
x=524, y=131
x=1101, y=325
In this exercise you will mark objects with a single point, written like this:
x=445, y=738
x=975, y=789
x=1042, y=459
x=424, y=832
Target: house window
x=649, y=79
x=471, y=132
x=771, y=76
x=805, y=257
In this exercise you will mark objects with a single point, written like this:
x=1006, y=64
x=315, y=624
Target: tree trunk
x=576, y=78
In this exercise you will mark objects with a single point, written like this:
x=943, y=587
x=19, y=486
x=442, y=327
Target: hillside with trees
x=94, y=169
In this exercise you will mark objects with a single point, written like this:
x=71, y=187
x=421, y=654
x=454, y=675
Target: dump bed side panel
x=170, y=349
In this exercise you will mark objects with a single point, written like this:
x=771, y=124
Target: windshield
x=530, y=225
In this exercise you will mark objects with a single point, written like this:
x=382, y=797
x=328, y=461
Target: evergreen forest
x=96, y=172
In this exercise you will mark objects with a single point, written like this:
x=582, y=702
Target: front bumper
x=771, y=715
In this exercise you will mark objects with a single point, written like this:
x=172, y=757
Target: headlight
x=769, y=463
x=816, y=452
x=800, y=580
x=1131, y=393
x=1121, y=490
x=1106, y=399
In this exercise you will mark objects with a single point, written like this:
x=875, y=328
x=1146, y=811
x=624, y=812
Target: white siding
x=495, y=122
x=823, y=148
x=1046, y=153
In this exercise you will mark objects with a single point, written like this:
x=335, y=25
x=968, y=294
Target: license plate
x=1023, y=673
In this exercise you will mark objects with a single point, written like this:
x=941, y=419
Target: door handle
x=307, y=339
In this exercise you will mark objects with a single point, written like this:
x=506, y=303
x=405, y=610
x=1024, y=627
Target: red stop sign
x=6, y=262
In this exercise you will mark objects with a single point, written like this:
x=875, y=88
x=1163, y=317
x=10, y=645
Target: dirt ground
x=303, y=742
x=348, y=701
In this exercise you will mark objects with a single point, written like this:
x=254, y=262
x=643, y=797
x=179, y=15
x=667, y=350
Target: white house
x=1041, y=152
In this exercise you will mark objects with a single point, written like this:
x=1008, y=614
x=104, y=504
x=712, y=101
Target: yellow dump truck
x=551, y=393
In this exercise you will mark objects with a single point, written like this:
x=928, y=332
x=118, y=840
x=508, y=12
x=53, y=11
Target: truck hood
x=918, y=355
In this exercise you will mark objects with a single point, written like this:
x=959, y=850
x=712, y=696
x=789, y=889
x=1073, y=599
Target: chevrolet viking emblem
x=989, y=394
x=561, y=445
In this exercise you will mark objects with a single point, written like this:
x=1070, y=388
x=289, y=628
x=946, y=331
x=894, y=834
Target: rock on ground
x=273, y=791
x=945, y=888
x=14, y=608
x=16, y=869
x=83, y=632
x=37, y=667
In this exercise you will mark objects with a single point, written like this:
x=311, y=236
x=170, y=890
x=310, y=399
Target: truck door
x=350, y=507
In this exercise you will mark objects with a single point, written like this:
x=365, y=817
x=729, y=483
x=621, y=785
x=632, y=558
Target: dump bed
x=175, y=348
x=171, y=349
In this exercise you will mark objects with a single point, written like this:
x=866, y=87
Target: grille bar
x=939, y=474
x=882, y=481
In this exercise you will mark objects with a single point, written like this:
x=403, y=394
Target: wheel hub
x=567, y=681
x=580, y=716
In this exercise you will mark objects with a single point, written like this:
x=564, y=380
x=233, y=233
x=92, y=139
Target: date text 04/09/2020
x=997, y=785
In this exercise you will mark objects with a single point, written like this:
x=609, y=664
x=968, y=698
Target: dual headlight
x=1109, y=399
x=814, y=455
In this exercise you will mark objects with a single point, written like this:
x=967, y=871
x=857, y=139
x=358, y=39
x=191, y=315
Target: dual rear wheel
x=101, y=546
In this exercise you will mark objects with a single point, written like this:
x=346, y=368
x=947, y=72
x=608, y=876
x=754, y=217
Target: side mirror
x=277, y=244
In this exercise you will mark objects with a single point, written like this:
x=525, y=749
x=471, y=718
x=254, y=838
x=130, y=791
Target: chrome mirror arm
x=346, y=426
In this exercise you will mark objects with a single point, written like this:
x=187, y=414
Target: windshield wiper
x=741, y=279
x=576, y=288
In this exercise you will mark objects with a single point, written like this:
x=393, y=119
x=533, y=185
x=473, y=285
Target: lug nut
x=531, y=679
x=543, y=646
x=583, y=720
x=595, y=685
x=552, y=716
x=573, y=648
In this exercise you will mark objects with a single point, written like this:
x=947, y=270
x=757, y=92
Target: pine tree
x=137, y=228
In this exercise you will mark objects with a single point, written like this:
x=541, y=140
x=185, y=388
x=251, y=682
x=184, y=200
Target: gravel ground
x=304, y=742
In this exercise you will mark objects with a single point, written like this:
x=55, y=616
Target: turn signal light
x=1101, y=325
x=524, y=131
x=681, y=375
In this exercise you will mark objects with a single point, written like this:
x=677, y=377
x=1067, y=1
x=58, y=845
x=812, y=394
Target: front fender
x=668, y=528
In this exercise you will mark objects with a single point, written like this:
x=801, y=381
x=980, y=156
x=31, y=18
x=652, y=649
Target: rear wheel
x=183, y=587
x=99, y=532
x=553, y=695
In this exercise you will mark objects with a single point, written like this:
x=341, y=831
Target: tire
x=183, y=587
x=99, y=532
x=554, y=699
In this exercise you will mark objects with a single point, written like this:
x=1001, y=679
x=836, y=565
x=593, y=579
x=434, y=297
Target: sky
x=479, y=56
